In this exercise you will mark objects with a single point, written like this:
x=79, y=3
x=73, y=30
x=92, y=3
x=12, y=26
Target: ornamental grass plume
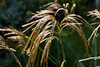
x=95, y=13
x=14, y=35
x=43, y=29
x=3, y=45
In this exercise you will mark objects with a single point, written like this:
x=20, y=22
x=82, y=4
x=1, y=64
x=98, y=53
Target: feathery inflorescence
x=14, y=35
x=43, y=29
x=73, y=20
x=3, y=45
x=95, y=13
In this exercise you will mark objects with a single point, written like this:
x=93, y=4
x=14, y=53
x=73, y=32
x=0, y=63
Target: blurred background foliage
x=20, y=11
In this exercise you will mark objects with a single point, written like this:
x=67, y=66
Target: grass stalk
x=73, y=33
x=62, y=46
x=95, y=51
x=68, y=45
x=7, y=13
x=95, y=40
x=58, y=54
x=16, y=59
